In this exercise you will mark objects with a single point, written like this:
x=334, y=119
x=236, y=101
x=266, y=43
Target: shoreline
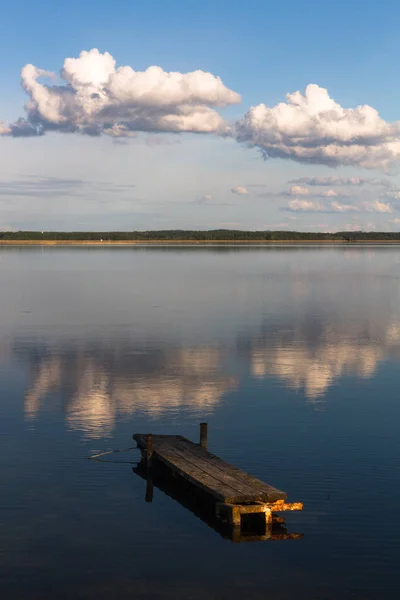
x=185, y=242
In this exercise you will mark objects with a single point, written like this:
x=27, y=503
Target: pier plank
x=249, y=480
x=218, y=478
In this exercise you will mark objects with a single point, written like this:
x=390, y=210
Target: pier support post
x=229, y=513
x=235, y=516
x=149, y=449
x=149, y=490
x=268, y=517
x=203, y=435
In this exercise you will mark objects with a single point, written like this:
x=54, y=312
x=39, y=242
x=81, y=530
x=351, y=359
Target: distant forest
x=171, y=235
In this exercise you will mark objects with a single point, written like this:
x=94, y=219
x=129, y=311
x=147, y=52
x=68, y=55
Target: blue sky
x=204, y=169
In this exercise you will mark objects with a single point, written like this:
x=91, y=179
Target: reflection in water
x=184, y=327
x=101, y=380
x=315, y=367
x=99, y=384
x=253, y=529
x=252, y=336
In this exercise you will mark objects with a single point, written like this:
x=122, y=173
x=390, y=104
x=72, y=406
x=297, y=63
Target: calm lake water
x=292, y=355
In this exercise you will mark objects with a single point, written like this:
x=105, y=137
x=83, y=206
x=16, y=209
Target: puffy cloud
x=330, y=193
x=335, y=206
x=331, y=181
x=4, y=129
x=298, y=190
x=378, y=207
x=204, y=199
x=240, y=190
x=304, y=206
x=99, y=98
x=313, y=128
x=371, y=207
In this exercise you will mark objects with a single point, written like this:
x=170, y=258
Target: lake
x=292, y=356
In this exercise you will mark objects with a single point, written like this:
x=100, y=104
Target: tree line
x=198, y=236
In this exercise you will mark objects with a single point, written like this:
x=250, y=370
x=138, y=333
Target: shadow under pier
x=253, y=527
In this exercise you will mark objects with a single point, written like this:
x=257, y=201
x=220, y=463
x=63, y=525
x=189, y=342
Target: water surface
x=292, y=355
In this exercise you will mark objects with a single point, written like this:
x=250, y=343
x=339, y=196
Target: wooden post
x=235, y=516
x=149, y=490
x=203, y=435
x=149, y=449
x=268, y=517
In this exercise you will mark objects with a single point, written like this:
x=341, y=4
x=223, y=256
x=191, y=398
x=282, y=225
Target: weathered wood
x=220, y=470
x=197, y=476
x=202, y=506
x=149, y=449
x=203, y=435
x=267, y=493
x=214, y=482
x=234, y=512
x=216, y=477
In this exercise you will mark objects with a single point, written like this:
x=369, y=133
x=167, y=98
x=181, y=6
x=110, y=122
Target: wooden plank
x=225, y=485
x=217, y=468
x=192, y=473
x=268, y=492
x=217, y=477
x=243, y=481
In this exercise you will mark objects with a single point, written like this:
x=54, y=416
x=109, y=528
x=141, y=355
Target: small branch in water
x=112, y=452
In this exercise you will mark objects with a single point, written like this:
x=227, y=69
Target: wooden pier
x=234, y=493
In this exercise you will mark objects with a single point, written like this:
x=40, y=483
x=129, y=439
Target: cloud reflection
x=99, y=379
x=99, y=385
x=313, y=368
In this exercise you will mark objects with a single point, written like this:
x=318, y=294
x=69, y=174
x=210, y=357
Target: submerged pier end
x=234, y=492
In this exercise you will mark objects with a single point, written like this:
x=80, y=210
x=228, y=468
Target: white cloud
x=204, y=199
x=395, y=221
x=371, y=207
x=240, y=190
x=298, y=190
x=339, y=181
x=4, y=129
x=313, y=128
x=335, y=206
x=96, y=97
x=330, y=193
x=297, y=205
x=378, y=207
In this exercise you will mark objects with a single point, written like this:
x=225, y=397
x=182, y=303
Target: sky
x=153, y=114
